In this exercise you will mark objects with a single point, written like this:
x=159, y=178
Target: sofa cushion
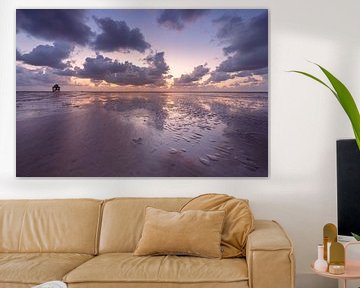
x=194, y=232
x=123, y=220
x=126, y=268
x=239, y=220
x=63, y=226
x=36, y=268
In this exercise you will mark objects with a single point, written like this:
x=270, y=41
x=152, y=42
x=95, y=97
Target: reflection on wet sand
x=142, y=134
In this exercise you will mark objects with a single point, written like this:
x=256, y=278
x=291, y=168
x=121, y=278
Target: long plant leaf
x=316, y=79
x=344, y=97
x=347, y=102
x=357, y=237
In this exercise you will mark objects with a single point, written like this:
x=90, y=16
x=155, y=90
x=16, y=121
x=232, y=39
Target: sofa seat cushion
x=36, y=268
x=125, y=267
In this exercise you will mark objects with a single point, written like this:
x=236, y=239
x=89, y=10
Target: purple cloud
x=219, y=76
x=38, y=77
x=176, y=19
x=246, y=46
x=47, y=55
x=191, y=78
x=116, y=35
x=54, y=24
x=106, y=69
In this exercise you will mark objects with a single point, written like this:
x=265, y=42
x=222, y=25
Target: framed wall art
x=142, y=93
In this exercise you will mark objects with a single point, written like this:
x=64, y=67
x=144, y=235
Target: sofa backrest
x=123, y=220
x=67, y=226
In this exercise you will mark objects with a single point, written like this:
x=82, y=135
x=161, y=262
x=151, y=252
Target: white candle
x=328, y=252
x=336, y=269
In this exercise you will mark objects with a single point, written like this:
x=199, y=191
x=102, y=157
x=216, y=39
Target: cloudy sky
x=183, y=50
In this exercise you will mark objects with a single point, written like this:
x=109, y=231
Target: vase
x=320, y=264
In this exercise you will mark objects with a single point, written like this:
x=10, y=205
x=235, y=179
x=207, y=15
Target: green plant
x=356, y=236
x=344, y=97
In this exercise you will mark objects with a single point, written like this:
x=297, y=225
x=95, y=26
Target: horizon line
x=140, y=91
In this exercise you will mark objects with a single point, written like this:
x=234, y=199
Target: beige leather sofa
x=89, y=243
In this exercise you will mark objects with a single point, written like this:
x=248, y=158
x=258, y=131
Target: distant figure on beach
x=55, y=88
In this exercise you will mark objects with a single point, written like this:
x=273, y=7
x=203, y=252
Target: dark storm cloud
x=251, y=80
x=39, y=76
x=157, y=64
x=54, y=24
x=122, y=73
x=247, y=73
x=18, y=55
x=117, y=35
x=246, y=44
x=219, y=76
x=262, y=71
x=47, y=55
x=190, y=79
x=240, y=62
x=177, y=19
x=96, y=68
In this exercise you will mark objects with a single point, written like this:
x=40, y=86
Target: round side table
x=352, y=269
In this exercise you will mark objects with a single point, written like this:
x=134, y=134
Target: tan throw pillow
x=239, y=220
x=196, y=233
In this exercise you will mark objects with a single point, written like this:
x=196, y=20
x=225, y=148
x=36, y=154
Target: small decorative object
x=329, y=236
x=328, y=245
x=336, y=269
x=341, y=267
x=320, y=264
x=337, y=258
x=344, y=97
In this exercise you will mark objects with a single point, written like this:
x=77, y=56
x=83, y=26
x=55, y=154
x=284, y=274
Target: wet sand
x=88, y=134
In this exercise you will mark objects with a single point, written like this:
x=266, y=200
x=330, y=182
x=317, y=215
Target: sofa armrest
x=269, y=256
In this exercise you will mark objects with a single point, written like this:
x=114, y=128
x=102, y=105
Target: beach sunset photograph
x=141, y=93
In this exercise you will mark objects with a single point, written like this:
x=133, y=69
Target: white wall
x=305, y=120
